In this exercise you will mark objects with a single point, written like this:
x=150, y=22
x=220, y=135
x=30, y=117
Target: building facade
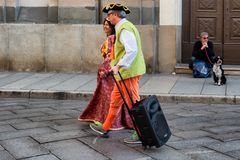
x=54, y=35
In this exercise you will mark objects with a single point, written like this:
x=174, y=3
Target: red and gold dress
x=98, y=107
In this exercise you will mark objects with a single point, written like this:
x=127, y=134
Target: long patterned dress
x=98, y=107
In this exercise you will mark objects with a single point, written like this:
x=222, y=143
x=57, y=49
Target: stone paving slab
x=235, y=154
x=89, y=87
x=5, y=74
x=10, y=101
x=158, y=85
x=164, y=153
x=224, y=108
x=14, y=121
x=27, y=81
x=66, y=121
x=48, y=118
x=196, y=126
x=24, y=133
x=192, y=134
x=13, y=78
x=74, y=83
x=6, y=113
x=44, y=157
x=196, y=151
x=69, y=112
x=192, y=143
x=192, y=87
x=29, y=125
x=6, y=128
x=233, y=87
x=57, y=136
x=226, y=147
x=43, y=102
x=6, y=156
x=223, y=129
x=32, y=110
x=24, y=115
x=188, y=120
x=190, y=113
x=68, y=127
x=117, y=148
x=227, y=122
x=212, y=156
x=10, y=107
x=49, y=82
x=209, y=88
x=23, y=147
x=1, y=148
x=229, y=114
x=144, y=79
x=73, y=150
x=227, y=136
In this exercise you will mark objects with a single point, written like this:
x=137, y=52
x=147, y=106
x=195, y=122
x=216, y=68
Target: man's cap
x=116, y=6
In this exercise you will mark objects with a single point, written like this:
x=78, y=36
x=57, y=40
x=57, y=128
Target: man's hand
x=115, y=69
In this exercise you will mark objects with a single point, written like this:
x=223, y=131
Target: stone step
x=228, y=69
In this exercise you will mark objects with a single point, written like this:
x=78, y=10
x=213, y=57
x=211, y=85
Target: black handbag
x=148, y=119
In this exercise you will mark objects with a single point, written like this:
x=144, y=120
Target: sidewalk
x=168, y=88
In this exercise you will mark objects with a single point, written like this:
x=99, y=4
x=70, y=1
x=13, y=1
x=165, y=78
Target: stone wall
x=73, y=11
x=162, y=47
x=61, y=48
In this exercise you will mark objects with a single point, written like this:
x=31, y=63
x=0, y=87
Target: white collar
x=119, y=24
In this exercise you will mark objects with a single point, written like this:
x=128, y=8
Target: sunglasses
x=204, y=37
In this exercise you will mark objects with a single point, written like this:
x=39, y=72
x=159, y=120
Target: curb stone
x=76, y=95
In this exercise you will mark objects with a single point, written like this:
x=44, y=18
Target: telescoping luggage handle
x=125, y=102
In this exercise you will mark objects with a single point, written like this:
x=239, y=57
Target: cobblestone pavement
x=45, y=129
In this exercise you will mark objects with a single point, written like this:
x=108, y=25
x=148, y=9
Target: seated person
x=203, y=51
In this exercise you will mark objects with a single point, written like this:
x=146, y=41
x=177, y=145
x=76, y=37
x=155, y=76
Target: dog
x=218, y=72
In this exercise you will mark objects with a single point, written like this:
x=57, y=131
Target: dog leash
x=208, y=57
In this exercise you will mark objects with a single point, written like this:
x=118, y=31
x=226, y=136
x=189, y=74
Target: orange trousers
x=117, y=101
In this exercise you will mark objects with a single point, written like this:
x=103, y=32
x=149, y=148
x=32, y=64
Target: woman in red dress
x=98, y=107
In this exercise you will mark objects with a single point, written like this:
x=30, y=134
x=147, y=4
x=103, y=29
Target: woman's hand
x=102, y=74
x=107, y=59
x=204, y=45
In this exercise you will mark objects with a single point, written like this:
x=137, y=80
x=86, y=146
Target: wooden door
x=231, y=41
x=221, y=19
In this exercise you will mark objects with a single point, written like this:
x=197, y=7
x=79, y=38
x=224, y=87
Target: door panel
x=231, y=42
x=207, y=16
x=186, y=46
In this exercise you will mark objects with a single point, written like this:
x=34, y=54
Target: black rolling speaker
x=151, y=122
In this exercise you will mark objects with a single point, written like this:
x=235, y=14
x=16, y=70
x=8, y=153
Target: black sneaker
x=97, y=128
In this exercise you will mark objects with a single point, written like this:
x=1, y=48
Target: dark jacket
x=201, y=54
